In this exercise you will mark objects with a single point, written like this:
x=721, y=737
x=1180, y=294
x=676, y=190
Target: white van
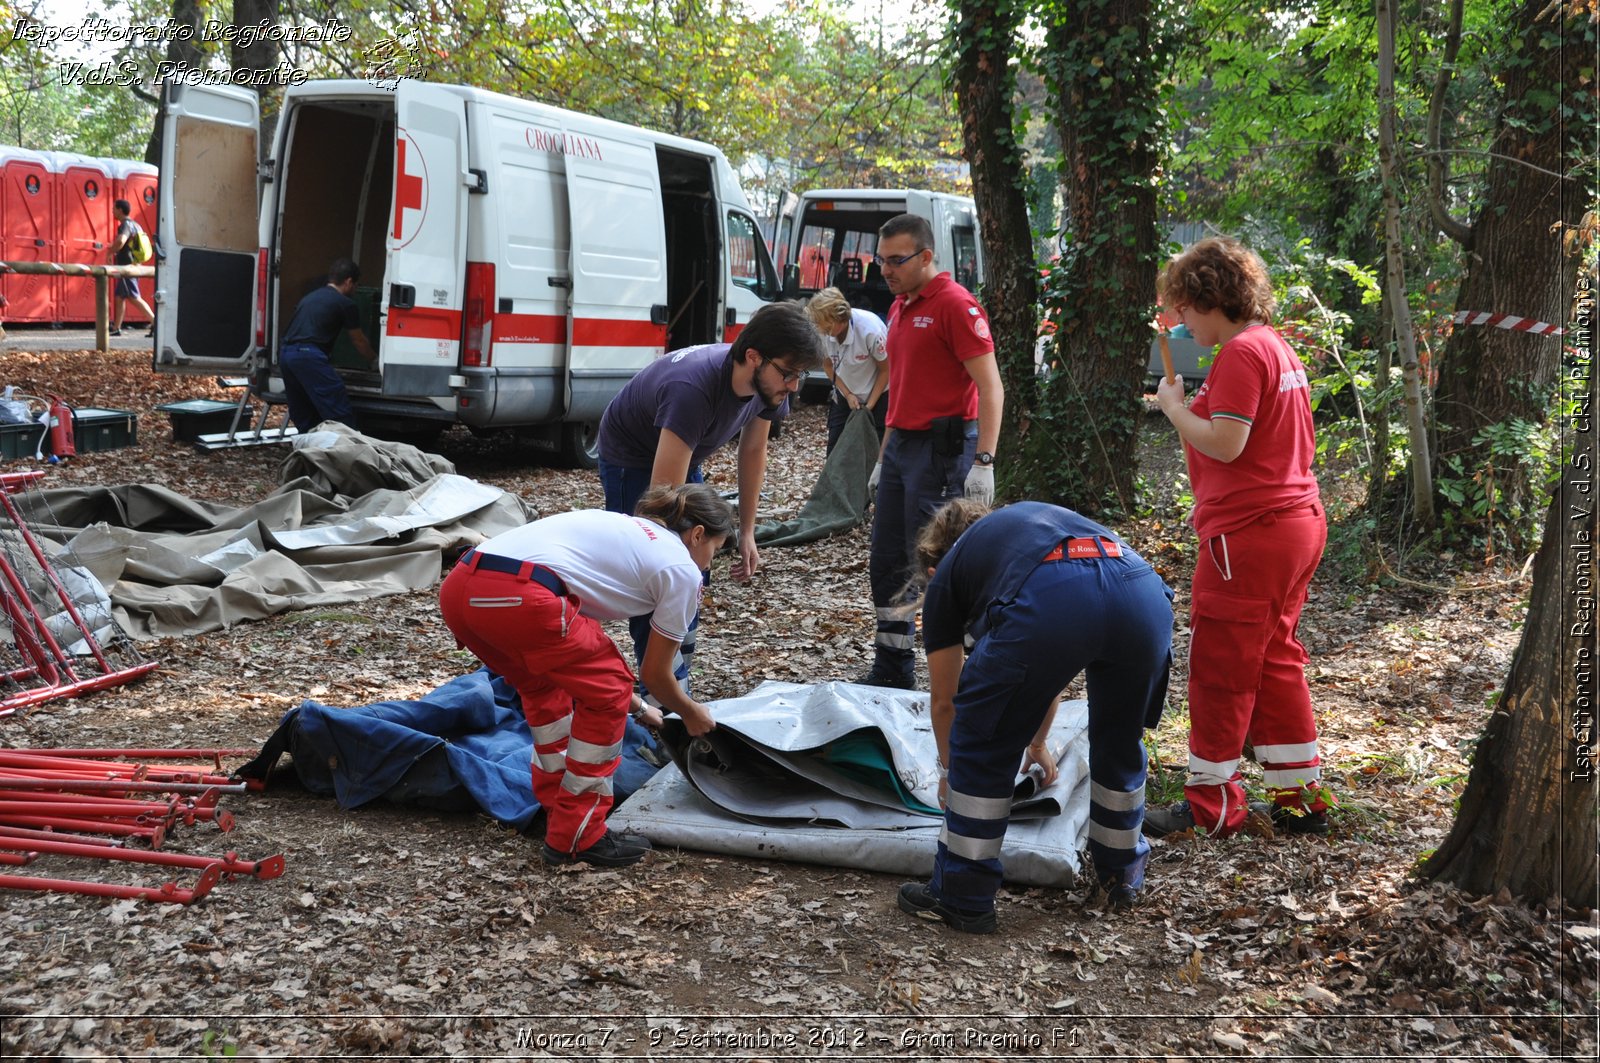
x=519, y=262
x=827, y=237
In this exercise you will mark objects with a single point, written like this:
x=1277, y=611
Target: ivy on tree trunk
x=1102, y=60
x=985, y=90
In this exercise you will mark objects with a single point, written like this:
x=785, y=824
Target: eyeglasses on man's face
x=897, y=260
x=789, y=375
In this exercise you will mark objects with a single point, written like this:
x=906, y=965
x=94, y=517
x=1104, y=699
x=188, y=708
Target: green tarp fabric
x=838, y=501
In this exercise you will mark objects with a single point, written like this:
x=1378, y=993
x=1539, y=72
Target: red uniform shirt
x=1258, y=380
x=929, y=337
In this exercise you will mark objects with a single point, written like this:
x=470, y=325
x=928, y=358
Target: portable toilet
x=84, y=228
x=27, y=233
x=138, y=182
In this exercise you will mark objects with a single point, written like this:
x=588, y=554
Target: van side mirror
x=791, y=281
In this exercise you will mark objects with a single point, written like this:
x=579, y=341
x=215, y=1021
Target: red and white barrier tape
x=1508, y=321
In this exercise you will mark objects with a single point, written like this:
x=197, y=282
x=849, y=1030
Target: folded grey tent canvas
x=846, y=775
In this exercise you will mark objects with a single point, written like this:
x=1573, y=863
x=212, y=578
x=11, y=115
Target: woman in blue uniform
x=1041, y=595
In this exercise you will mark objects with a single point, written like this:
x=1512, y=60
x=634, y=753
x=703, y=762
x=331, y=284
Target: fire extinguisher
x=61, y=441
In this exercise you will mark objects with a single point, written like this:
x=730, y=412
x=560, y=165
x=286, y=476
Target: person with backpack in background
x=130, y=247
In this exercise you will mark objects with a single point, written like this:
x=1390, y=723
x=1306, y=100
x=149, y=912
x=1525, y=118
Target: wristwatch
x=983, y=457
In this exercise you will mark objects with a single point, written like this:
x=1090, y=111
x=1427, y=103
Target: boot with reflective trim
x=916, y=898
x=614, y=849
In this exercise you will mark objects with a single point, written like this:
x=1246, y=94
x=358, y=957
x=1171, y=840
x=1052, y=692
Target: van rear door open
x=209, y=202
x=425, y=274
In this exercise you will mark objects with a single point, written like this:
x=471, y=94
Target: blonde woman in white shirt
x=529, y=602
x=858, y=362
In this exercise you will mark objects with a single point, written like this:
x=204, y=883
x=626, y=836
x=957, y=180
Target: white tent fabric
x=799, y=807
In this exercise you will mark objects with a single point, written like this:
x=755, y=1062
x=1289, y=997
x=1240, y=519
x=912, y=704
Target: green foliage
x=802, y=96
x=1497, y=502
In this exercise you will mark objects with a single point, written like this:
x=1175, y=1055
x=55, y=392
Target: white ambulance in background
x=522, y=262
x=825, y=238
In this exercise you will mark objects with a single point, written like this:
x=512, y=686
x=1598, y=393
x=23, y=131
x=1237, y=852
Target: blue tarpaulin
x=464, y=744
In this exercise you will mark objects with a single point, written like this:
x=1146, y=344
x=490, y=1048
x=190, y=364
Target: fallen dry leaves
x=401, y=932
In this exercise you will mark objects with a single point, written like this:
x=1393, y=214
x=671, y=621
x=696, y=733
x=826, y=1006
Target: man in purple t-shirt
x=680, y=408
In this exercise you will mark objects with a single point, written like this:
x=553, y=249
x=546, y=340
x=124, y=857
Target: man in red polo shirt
x=945, y=404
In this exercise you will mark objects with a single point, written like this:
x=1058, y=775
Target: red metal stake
x=167, y=891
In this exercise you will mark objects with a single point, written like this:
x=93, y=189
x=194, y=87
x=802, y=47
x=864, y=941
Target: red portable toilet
x=84, y=228
x=27, y=232
x=137, y=183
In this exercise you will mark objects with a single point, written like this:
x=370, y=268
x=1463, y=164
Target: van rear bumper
x=495, y=397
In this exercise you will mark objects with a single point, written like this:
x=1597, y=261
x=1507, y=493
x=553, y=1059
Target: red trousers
x=573, y=681
x=1247, y=677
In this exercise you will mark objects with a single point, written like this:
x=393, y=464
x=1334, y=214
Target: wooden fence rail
x=102, y=289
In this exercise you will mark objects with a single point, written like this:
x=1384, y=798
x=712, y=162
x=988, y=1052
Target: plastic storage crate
x=94, y=429
x=19, y=440
x=193, y=418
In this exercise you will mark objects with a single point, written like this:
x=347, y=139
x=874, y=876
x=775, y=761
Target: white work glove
x=872, y=481
x=980, y=484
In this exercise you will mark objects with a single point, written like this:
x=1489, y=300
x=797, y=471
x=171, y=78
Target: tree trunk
x=184, y=13
x=261, y=56
x=1395, y=276
x=1102, y=62
x=1528, y=816
x=1489, y=375
x=985, y=91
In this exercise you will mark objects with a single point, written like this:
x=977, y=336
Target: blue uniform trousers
x=914, y=483
x=624, y=486
x=1108, y=617
x=314, y=387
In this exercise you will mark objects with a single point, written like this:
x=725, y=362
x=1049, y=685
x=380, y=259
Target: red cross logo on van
x=410, y=189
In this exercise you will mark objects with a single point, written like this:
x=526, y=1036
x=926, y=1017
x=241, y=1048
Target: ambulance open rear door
x=209, y=201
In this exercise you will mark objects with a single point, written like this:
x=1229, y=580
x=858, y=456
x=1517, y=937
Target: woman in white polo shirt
x=857, y=360
x=528, y=603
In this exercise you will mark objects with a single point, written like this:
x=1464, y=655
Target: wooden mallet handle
x=1166, y=356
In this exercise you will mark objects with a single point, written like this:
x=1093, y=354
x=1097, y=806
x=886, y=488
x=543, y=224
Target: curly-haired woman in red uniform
x=1249, y=444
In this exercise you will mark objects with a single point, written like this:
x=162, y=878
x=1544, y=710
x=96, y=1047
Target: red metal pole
x=157, y=833
x=167, y=891
x=230, y=863
x=146, y=786
x=157, y=754
x=61, y=591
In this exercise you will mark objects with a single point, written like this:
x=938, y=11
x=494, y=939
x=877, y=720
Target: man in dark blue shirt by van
x=315, y=389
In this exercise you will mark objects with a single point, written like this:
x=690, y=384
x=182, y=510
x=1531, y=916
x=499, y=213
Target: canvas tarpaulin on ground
x=846, y=775
x=838, y=500
x=177, y=566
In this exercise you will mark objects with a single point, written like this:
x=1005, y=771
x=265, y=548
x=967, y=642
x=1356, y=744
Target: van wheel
x=580, y=444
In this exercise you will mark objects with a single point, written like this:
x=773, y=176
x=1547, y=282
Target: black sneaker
x=916, y=898
x=114, y=332
x=614, y=849
x=882, y=677
x=1292, y=820
x=1173, y=819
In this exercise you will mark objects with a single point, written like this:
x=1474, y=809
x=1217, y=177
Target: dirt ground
x=395, y=934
